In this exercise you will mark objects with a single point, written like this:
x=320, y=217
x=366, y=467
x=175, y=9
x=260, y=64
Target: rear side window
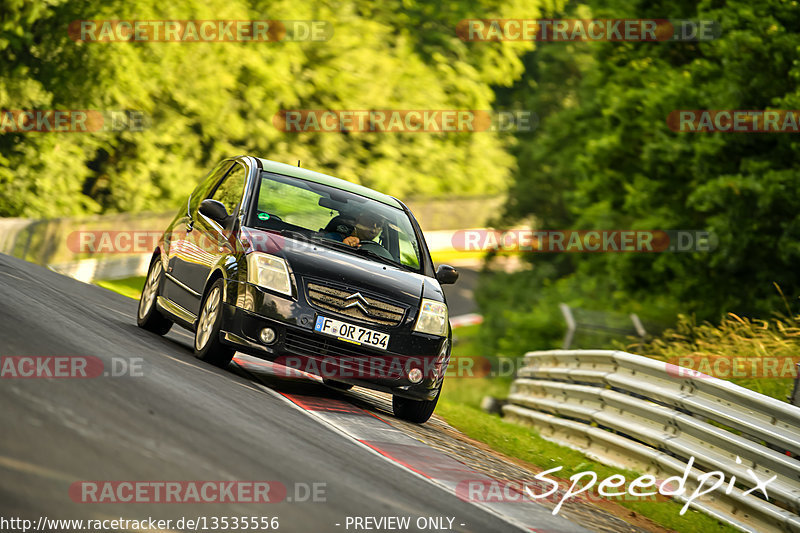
x=231, y=190
x=201, y=191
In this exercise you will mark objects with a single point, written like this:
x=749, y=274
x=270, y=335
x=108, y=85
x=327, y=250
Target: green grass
x=750, y=343
x=526, y=444
x=471, y=390
x=460, y=407
x=130, y=287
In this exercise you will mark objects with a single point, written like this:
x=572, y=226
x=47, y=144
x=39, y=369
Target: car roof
x=324, y=179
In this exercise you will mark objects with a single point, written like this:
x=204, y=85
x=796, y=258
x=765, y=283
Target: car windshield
x=333, y=216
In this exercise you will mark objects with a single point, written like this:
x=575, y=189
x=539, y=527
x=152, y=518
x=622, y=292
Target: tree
x=205, y=101
x=604, y=158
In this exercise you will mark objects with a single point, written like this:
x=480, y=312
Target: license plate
x=351, y=333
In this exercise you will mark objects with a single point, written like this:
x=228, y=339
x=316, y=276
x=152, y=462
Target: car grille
x=353, y=305
x=356, y=357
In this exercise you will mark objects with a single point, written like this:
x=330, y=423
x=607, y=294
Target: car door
x=180, y=240
x=208, y=239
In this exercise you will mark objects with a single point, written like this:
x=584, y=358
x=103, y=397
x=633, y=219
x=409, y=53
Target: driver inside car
x=366, y=226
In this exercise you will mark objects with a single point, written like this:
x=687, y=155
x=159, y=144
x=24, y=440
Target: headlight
x=432, y=318
x=269, y=272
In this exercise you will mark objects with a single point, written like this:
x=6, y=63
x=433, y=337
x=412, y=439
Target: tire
x=207, y=346
x=340, y=385
x=148, y=316
x=417, y=411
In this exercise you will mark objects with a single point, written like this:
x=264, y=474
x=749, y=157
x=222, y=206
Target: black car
x=307, y=270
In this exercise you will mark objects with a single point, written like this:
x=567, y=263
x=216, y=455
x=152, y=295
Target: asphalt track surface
x=181, y=419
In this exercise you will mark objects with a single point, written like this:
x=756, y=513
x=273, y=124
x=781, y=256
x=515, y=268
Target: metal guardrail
x=52, y=243
x=653, y=417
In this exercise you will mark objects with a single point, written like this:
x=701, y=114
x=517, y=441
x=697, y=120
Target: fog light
x=415, y=375
x=267, y=335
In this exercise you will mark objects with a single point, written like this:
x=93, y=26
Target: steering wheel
x=377, y=249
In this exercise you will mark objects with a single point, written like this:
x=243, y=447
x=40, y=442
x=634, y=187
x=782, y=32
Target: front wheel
x=207, y=346
x=417, y=411
x=148, y=317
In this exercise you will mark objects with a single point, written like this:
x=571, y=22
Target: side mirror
x=446, y=274
x=214, y=210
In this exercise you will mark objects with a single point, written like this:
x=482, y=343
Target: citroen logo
x=358, y=301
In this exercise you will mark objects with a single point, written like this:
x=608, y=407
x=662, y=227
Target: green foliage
x=604, y=158
x=756, y=354
x=520, y=313
x=210, y=100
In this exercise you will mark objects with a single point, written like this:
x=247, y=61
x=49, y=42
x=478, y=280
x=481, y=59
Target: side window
x=230, y=191
x=409, y=254
x=201, y=191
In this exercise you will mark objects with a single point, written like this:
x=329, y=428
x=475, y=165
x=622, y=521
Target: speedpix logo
x=614, y=486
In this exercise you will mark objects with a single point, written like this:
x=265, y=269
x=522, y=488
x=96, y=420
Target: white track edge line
x=351, y=438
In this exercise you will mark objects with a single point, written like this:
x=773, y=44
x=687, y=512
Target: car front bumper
x=298, y=347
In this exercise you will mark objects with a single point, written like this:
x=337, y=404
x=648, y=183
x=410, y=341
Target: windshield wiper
x=296, y=234
x=386, y=260
x=364, y=252
x=339, y=245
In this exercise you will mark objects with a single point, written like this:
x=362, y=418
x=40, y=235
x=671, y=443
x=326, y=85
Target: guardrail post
x=638, y=326
x=567, y=312
x=794, y=399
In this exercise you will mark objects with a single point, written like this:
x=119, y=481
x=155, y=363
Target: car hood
x=308, y=259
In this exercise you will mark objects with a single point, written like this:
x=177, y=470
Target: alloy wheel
x=208, y=317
